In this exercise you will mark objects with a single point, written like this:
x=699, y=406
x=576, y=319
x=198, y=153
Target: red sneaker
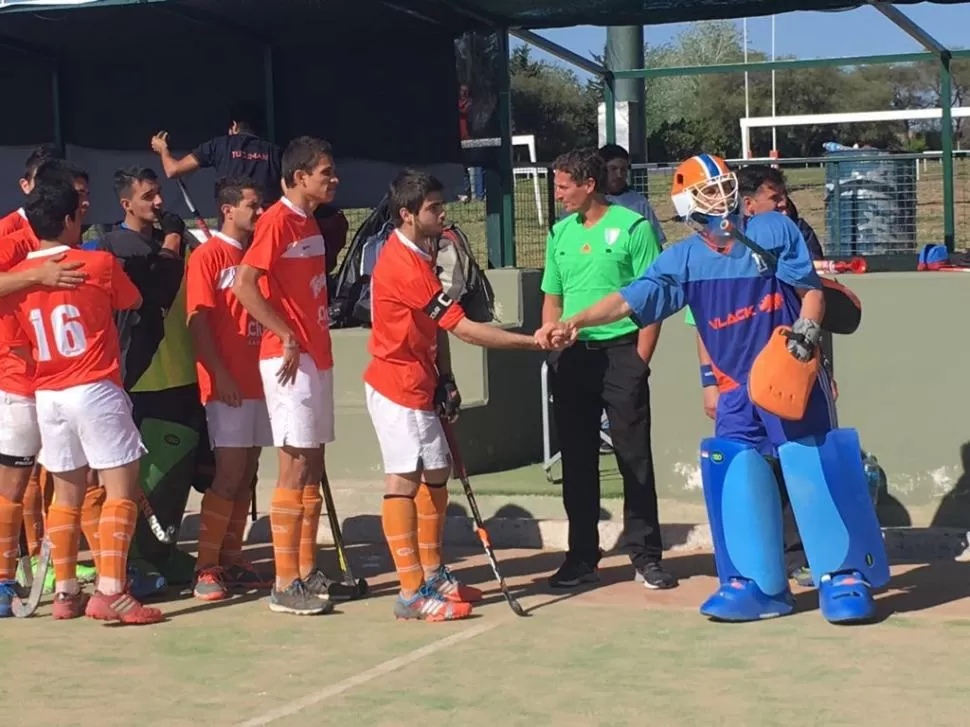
x=209, y=585
x=450, y=589
x=67, y=605
x=121, y=607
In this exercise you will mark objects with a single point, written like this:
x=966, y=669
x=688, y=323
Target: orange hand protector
x=779, y=383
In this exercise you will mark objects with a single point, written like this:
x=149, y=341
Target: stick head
x=517, y=608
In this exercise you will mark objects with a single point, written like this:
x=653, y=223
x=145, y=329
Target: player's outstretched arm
x=489, y=336
x=173, y=167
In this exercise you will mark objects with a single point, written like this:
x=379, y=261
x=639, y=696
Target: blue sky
x=863, y=31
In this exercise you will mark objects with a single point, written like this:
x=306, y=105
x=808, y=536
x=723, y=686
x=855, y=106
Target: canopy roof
x=470, y=14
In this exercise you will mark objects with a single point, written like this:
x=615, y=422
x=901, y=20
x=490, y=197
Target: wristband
x=707, y=376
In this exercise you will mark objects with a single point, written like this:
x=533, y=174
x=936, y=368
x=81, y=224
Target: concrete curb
x=902, y=544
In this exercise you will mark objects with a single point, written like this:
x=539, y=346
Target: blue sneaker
x=741, y=600
x=144, y=580
x=8, y=592
x=845, y=598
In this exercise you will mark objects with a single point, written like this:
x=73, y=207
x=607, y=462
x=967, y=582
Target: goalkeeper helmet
x=704, y=189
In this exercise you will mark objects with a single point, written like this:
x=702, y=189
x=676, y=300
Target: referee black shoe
x=573, y=573
x=653, y=576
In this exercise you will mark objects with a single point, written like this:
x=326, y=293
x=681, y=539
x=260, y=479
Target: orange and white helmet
x=703, y=188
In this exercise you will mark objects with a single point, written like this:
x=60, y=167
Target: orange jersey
x=289, y=249
x=16, y=374
x=408, y=306
x=12, y=222
x=236, y=335
x=72, y=331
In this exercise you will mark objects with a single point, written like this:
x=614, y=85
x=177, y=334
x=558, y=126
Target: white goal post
x=851, y=117
x=529, y=142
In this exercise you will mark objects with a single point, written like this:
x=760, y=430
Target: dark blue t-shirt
x=244, y=155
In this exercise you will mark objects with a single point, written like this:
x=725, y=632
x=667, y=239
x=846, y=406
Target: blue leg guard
x=744, y=509
x=837, y=522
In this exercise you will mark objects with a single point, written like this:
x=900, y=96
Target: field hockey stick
x=459, y=469
x=358, y=585
x=162, y=535
x=25, y=560
x=767, y=259
x=20, y=607
x=199, y=219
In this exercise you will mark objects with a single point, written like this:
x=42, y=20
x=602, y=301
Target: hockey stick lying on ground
x=459, y=469
x=23, y=608
x=349, y=588
x=199, y=219
x=163, y=535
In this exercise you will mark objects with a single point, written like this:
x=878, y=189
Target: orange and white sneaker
x=121, y=607
x=209, y=585
x=428, y=605
x=449, y=588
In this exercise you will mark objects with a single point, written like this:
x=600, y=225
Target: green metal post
x=946, y=103
x=499, y=176
x=58, y=118
x=269, y=91
x=609, y=101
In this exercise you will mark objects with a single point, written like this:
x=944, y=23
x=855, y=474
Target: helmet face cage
x=706, y=200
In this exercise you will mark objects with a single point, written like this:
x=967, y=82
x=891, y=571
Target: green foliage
x=689, y=114
x=550, y=102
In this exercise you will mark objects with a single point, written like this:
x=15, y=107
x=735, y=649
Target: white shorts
x=19, y=434
x=410, y=439
x=300, y=413
x=88, y=425
x=238, y=426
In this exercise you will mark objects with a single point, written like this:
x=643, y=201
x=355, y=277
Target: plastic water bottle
x=873, y=475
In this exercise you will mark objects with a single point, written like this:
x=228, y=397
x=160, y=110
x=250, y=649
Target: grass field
x=615, y=654
x=806, y=184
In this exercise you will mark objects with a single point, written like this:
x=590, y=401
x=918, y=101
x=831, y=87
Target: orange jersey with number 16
x=72, y=331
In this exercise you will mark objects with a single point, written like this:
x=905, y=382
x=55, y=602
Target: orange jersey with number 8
x=72, y=331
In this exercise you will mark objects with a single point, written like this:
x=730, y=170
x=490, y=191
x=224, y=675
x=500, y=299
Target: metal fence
x=857, y=203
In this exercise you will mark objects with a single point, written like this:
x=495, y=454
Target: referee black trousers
x=585, y=379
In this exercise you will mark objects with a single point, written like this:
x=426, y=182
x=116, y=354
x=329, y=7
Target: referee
x=597, y=249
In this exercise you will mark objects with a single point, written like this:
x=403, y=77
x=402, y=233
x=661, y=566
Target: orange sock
x=285, y=514
x=312, y=504
x=400, y=520
x=91, y=521
x=117, y=527
x=11, y=516
x=216, y=514
x=33, y=511
x=233, y=542
x=64, y=531
x=431, y=503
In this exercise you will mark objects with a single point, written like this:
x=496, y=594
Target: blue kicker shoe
x=742, y=600
x=144, y=580
x=8, y=592
x=846, y=598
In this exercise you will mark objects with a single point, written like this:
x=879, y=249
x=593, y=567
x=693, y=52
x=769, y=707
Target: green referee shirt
x=584, y=265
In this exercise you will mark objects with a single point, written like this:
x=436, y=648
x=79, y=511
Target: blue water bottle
x=873, y=475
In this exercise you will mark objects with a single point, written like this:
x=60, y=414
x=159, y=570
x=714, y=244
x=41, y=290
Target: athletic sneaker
x=209, y=585
x=428, y=605
x=802, y=576
x=85, y=574
x=573, y=573
x=653, y=576
x=296, y=599
x=69, y=605
x=8, y=592
x=319, y=585
x=144, y=580
x=121, y=607
x=243, y=574
x=448, y=587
